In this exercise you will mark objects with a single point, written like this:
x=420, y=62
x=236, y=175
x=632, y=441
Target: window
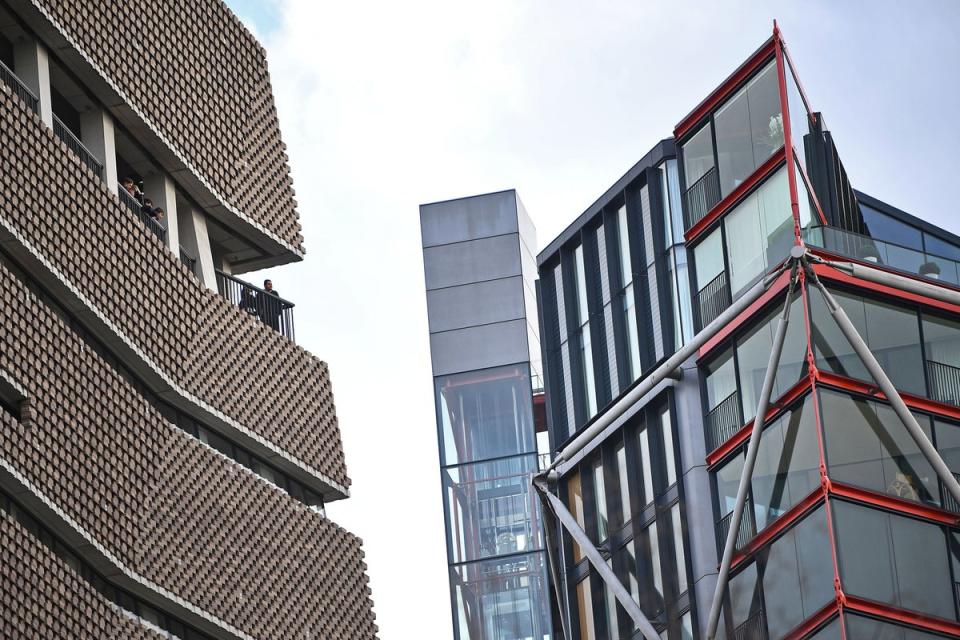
x=858, y=627
x=759, y=231
x=720, y=379
x=585, y=609
x=941, y=342
x=485, y=414
x=749, y=128
x=790, y=580
x=883, y=227
x=894, y=560
x=753, y=356
x=672, y=210
x=623, y=473
x=709, y=258
x=867, y=446
x=600, y=500
x=670, y=463
x=678, y=548
x=656, y=575
x=586, y=345
x=892, y=333
x=490, y=508
x=632, y=335
x=645, y=462
x=576, y=506
x=698, y=155
x=623, y=235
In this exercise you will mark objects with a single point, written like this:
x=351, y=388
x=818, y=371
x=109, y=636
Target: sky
x=387, y=105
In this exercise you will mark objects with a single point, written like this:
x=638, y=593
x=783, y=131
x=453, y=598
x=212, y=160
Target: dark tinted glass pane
x=941, y=339
x=734, y=145
x=829, y=632
x=948, y=444
x=883, y=227
x=485, y=414
x=866, y=562
x=744, y=595
x=939, y=247
x=868, y=446
x=923, y=568
x=728, y=480
x=788, y=464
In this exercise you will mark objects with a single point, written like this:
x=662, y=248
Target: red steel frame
x=815, y=378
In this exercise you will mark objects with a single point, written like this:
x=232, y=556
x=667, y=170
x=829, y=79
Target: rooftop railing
x=134, y=205
x=888, y=254
x=269, y=308
x=754, y=628
x=73, y=142
x=15, y=85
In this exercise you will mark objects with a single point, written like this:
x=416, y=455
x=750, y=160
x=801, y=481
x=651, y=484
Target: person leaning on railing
x=270, y=305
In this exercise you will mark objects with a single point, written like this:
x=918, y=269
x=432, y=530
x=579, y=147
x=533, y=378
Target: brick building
x=166, y=449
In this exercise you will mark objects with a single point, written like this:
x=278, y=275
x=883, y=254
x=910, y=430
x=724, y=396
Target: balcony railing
x=724, y=420
x=947, y=500
x=888, y=254
x=944, y=382
x=701, y=197
x=712, y=300
x=14, y=84
x=86, y=158
x=189, y=260
x=270, y=309
x=134, y=205
x=747, y=532
x=754, y=628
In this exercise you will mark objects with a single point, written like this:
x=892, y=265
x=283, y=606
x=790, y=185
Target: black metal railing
x=944, y=382
x=190, y=261
x=747, y=532
x=270, y=309
x=712, y=300
x=947, y=500
x=753, y=628
x=724, y=420
x=156, y=227
x=15, y=84
x=701, y=197
x=73, y=142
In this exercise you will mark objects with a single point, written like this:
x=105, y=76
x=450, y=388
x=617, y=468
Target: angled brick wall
x=42, y=597
x=168, y=507
x=214, y=351
x=199, y=78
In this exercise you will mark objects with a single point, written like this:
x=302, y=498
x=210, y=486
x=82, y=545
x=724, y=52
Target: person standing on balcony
x=270, y=305
x=132, y=189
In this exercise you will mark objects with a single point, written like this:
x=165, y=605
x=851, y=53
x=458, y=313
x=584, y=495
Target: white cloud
x=386, y=105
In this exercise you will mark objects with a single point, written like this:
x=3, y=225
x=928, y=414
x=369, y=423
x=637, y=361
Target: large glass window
x=883, y=227
x=585, y=609
x=759, y=231
x=632, y=334
x=749, y=129
x=672, y=210
x=600, y=500
x=941, y=342
x=678, y=549
x=490, y=509
x=586, y=343
x=753, y=356
x=623, y=474
x=894, y=560
x=577, y=508
x=868, y=446
x=698, y=155
x=501, y=599
x=795, y=578
x=892, y=333
x=647, y=467
x=863, y=628
x=709, y=258
x=666, y=431
x=485, y=414
x=720, y=379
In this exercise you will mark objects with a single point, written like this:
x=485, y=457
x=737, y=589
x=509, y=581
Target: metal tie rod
x=599, y=564
x=667, y=368
x=753, y=449
x=893, y=396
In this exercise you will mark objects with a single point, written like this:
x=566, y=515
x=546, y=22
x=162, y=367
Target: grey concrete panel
x=475, y=304
x=474, y=261
x=483, y=347
x=470, y=218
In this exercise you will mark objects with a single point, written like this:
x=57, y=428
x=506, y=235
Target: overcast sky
x=386, y=105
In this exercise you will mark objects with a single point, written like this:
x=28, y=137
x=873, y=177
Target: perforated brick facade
x=200, y=79
x=213, y=350
x=168, y=507
x=42, y=597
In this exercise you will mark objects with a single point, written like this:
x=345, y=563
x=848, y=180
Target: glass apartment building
x=847, y=531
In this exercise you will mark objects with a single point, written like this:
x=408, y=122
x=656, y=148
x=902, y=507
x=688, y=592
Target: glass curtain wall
x=676, y=253
x=628, y=298
x=584, y=338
